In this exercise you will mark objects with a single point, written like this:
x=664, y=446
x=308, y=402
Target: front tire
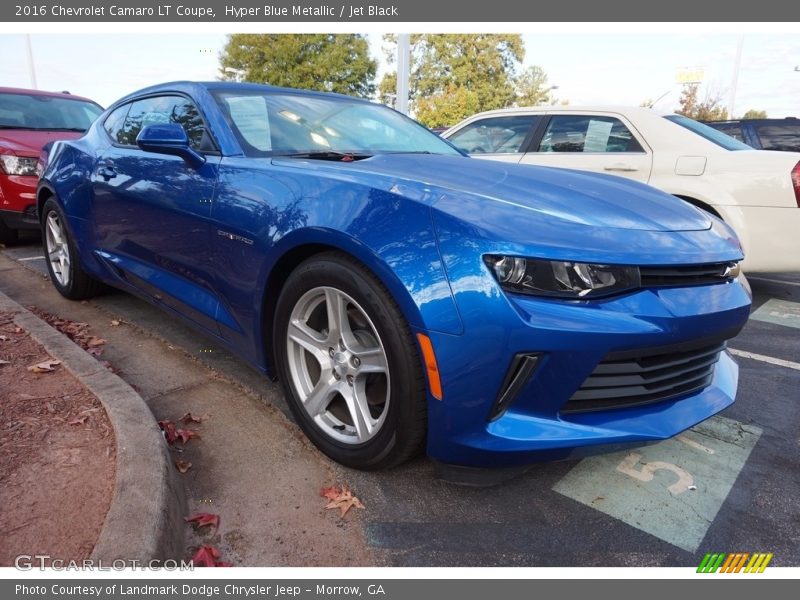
x=348, y=364
x=61, y=256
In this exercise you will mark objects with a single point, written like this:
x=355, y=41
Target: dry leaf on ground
x=208, y=556
x=190, y=418
x=46, y=366
x=203, y=520
x=341, y=498
x=184, y=435
x=182, y=465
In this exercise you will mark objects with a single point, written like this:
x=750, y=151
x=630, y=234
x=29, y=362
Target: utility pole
x=735, y=79
x=31, y=66
x=403, y=69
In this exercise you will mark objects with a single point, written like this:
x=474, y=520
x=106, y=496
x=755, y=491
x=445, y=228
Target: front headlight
x=18, y=165
x=561, y=279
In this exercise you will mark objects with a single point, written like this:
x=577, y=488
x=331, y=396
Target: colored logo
x=735, y=563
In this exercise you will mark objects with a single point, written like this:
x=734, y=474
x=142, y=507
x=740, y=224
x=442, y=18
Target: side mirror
x=169, y=138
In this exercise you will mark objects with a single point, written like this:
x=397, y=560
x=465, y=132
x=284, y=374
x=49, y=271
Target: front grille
x=688, y=275
x=624, y=379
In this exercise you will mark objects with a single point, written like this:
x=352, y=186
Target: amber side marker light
x=434, y=383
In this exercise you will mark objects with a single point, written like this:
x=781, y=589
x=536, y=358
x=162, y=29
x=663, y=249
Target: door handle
x=106, y=172
x=625, y=167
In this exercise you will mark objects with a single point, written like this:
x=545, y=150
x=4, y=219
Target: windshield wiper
x=77, y=129
x=325, y=155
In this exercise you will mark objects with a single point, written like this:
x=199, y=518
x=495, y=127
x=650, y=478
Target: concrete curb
x=145, y=520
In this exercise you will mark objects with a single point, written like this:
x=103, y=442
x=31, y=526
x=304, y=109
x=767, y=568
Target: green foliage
x=326, y=62
x=447, y=108
x=533, y=88
x=474, y=72
x=755, y=114
x=708, y=109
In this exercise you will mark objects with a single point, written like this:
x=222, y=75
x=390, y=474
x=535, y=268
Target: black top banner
x=399, y=11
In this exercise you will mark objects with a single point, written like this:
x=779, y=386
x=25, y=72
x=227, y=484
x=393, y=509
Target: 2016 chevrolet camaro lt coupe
x=408, y=297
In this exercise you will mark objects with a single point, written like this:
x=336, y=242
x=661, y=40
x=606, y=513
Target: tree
x=479, y=69
x=755, y=114
x=325, y=62
x=533, y=88
x=447, y=108
x=709, y=109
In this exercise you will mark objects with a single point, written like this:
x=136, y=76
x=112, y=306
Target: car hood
x=28, y=142
x=577, y=197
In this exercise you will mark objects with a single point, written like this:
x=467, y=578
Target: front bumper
x=572, y=338
x=18, y=201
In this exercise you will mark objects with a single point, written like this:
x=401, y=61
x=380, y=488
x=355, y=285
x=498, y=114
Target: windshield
x=709, y=133
x=324, y=127
x=28, y=111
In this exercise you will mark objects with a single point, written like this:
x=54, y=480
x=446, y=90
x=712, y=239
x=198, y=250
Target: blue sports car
x=407, y=297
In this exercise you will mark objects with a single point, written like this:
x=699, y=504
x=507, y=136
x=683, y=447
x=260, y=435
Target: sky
x=614, y=67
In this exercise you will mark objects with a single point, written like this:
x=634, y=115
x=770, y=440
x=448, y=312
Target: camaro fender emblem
x=234, y=237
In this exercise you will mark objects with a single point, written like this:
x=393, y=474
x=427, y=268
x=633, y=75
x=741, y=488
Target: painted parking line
x=673, y=489
x=27, y=258
x=767, y=359
x=779, y=312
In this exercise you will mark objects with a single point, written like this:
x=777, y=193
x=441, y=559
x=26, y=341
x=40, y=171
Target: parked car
x=404, y=293
x=29, y=119
x=763, y=134
x=756, y=192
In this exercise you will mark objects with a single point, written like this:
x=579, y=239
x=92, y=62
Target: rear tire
x=61, y=256
x=348, y=364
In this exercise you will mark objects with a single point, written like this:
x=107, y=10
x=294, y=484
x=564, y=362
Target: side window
x=780, y=136
x=584, y=133
x=732, y=129
x=115, y=121
x=165, y=109
x=495, y=135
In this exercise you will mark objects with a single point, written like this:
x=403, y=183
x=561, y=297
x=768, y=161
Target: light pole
x=31, y=66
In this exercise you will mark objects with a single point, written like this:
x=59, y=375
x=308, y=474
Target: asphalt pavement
x=729, y=485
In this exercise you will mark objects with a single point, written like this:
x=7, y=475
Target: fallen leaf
x=115, y=323
x=186, y=434
x=94, y=351
x=46, y=366
x=344, y=500
x=190, y=418
x=79, y=420
x=182, y=465
x=207, y=556
x=168, y=427
x=330, y=492
x=95, y=341
x=18, y=330
x=4, y=362
x=203, y=520
x=4, y=338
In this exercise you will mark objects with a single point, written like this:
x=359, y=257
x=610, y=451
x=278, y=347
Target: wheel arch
x=292, y=254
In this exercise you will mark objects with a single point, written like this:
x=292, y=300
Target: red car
x=29, y=119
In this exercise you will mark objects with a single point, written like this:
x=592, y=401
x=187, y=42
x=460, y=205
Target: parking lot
x=729, y=485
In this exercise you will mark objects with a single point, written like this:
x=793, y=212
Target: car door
x=500, y=138
x=602, y=142
x=151, y=211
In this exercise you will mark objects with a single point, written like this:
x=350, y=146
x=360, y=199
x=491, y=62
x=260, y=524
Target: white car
x=757, y=192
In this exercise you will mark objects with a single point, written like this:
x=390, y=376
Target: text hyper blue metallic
x=407, y=296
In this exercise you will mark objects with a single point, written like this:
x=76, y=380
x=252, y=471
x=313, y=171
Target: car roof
x=30, y=92
x=621, y=109
x=191, y=87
